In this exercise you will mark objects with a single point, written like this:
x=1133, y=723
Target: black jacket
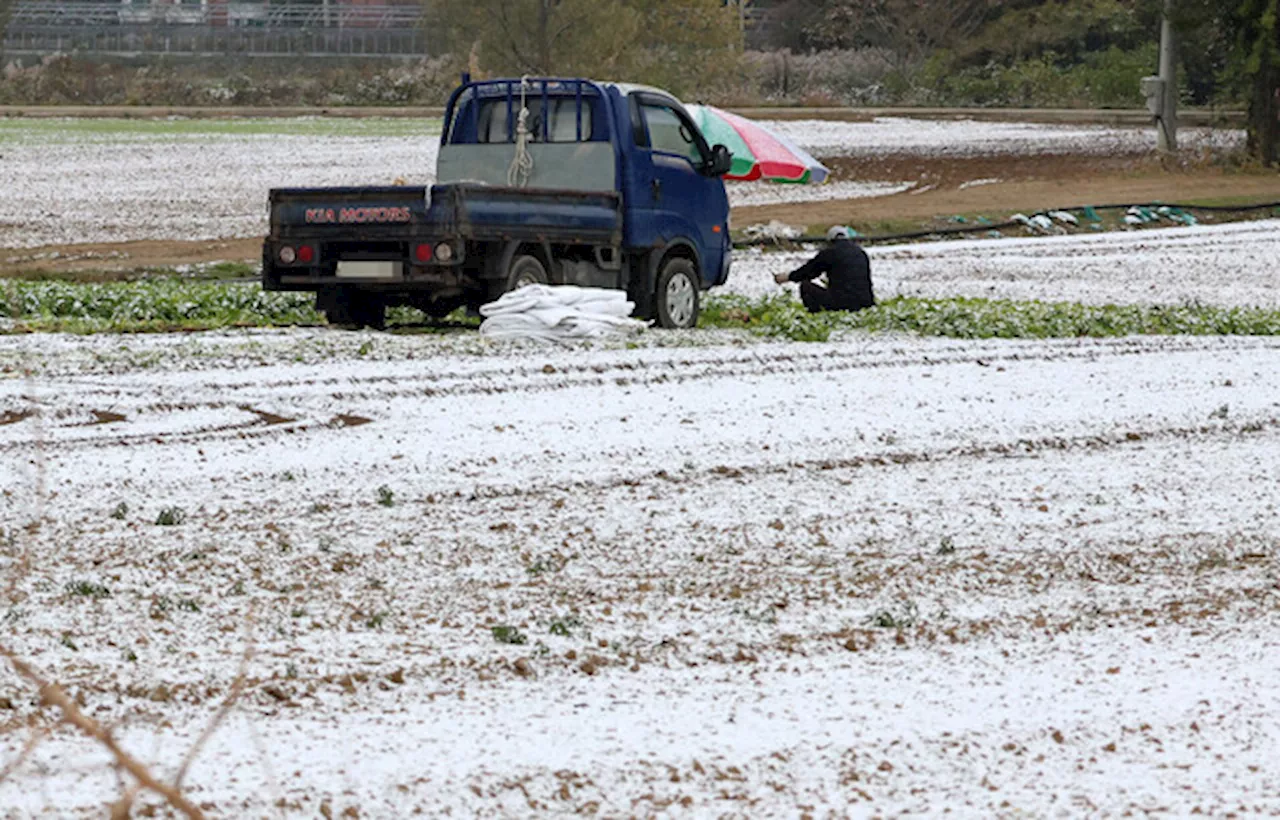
x=848, y=274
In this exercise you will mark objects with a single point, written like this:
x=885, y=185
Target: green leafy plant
x=564, y=626
x=162, y=605
x=551, y=562
x=508, y=634
x=964, y=318
x=904, y=617
x=171, y=517
x=386, y=497
x=157, y=305
x=88, y=589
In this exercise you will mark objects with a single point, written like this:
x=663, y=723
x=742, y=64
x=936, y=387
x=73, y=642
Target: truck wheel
x=373, y=313
x=525, y=270
x=676, y=295
x=441, y=308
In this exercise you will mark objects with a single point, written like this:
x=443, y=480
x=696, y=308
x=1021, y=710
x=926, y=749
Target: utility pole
x=1167, y=119
x=1161, y=91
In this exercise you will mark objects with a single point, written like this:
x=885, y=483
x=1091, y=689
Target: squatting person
x=848, y=275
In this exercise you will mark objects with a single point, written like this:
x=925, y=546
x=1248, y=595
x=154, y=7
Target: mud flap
x=641, y=279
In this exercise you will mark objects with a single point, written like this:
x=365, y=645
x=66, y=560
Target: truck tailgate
x=387, y=209
x=526, y=213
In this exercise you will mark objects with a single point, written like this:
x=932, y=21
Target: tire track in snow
x=303, y=395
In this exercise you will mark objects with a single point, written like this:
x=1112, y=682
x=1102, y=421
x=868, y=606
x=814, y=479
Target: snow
x=118, y=187
x=1079, y=538
x=968, y=137
x=743, y=194
x=1232, y=265
x=180, y=186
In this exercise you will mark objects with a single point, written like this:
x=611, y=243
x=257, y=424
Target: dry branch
x=53, y=695
x=38, y=735
x=237, y=687
x=122, y=808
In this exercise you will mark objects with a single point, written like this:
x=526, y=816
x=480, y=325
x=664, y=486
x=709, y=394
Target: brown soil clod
x=266, y=417
x=106, y=417
x=15, y=416
x=349, y=420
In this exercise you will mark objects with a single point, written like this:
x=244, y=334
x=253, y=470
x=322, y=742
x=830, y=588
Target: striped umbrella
x=758, y=152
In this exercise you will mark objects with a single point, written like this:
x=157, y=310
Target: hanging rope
x=521, y=168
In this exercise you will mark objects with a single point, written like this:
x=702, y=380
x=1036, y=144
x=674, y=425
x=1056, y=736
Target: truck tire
x=525, y=269
x=351, y=308
x=441, y=308
x=675, y=299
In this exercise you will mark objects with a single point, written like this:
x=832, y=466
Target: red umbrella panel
x=758, y=152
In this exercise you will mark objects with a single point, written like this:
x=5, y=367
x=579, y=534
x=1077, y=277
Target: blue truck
x=538, y=180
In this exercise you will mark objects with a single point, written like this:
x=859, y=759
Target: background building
x=211, y=28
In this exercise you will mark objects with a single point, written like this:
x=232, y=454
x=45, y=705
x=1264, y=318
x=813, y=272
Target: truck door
x=669, y=196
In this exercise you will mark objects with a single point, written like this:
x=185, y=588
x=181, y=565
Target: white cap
x=839, y=232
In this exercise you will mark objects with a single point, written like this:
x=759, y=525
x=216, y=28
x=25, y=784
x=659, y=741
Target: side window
x=669, y=133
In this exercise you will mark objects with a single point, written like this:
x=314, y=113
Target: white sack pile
x=559, y=313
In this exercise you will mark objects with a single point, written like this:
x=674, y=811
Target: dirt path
x=104, y=259
x=1009, y=185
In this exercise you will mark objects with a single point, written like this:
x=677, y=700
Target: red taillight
x=306, y=254
x=422, y=253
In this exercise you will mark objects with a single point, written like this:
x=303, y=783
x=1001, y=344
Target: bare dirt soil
x=100, y=260
x=944, y=187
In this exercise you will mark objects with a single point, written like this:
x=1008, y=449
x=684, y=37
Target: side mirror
x=720, y=163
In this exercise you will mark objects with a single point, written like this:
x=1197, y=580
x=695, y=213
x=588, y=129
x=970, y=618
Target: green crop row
x=960, y=318
x=177, y=304
x=158, y=304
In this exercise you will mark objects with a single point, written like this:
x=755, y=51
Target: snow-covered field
x=868, y=577
x=967, y=138
x=119, y=185
x=768, y=193
x=1236, y=264
x=699, y=575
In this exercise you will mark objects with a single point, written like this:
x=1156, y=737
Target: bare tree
x=606, y=39
x=910, y=30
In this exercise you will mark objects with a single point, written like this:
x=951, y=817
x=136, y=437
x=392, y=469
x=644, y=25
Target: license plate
x=348, y=269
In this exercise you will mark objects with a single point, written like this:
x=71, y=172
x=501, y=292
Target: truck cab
x=538, y=180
